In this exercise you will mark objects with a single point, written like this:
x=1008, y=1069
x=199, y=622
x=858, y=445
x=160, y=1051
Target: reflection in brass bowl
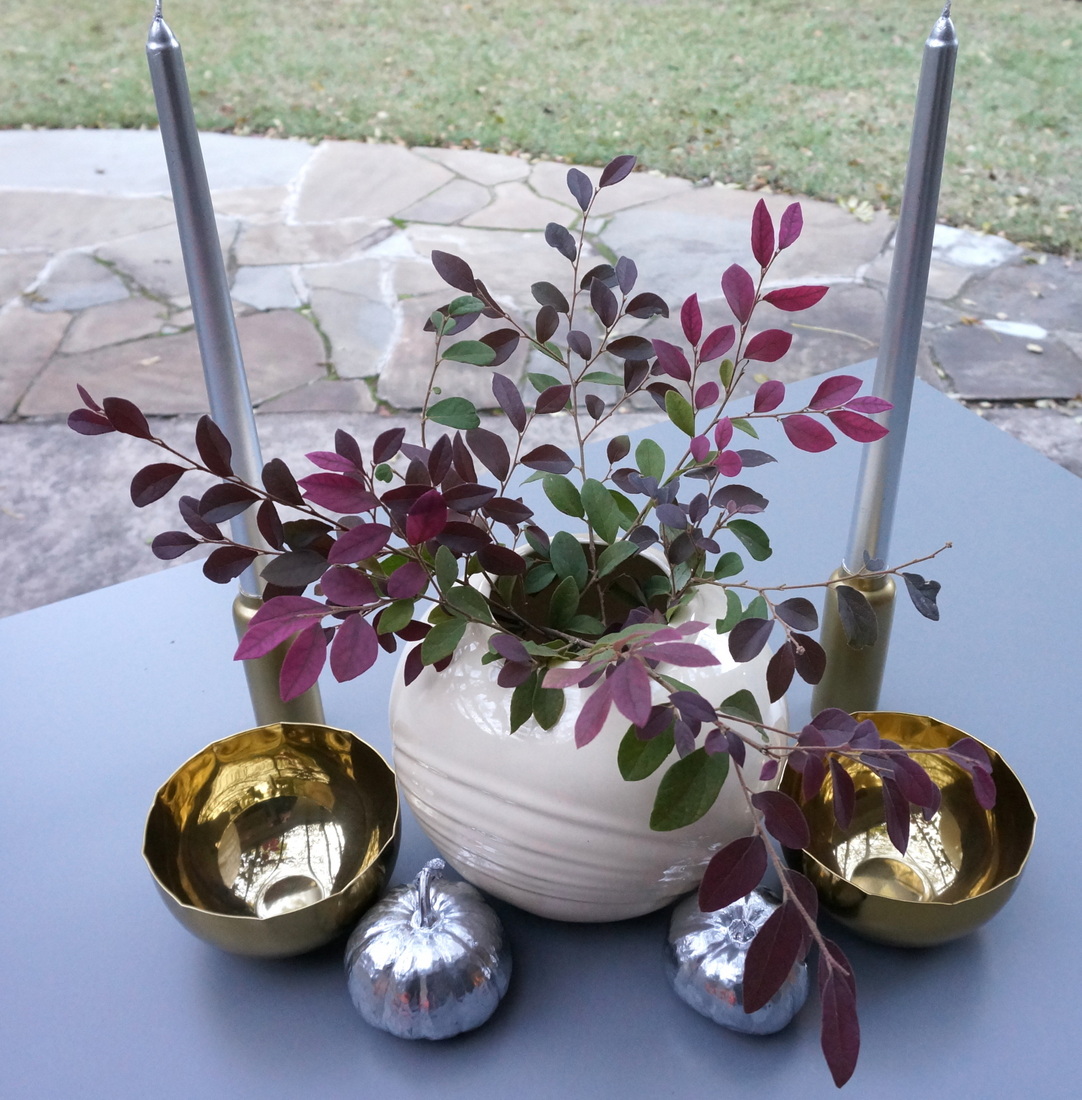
x=960, y=868
x=272, y=842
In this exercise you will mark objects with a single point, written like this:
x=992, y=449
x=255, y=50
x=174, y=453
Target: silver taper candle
x=854, y=677
x=219, y=346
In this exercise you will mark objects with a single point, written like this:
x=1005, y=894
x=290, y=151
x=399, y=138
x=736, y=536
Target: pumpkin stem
x=432, y=869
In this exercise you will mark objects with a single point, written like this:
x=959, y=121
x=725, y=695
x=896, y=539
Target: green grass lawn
x=809, y=97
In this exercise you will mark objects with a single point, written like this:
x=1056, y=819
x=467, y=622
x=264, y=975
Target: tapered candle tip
x=158, y=9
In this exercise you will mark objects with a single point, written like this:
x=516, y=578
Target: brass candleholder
x=272, y=842
x=960, y=868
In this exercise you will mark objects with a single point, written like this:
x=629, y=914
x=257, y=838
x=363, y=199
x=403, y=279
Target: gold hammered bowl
x=271, y=842
x=960, y=868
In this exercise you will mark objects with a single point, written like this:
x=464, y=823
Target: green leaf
x=563, y=494
x=638, y=759
x=680, y=411
x=586, y=625
x=469, y=601
x=745, y=426
x=441, y=322
x=441, y=640
x=446, y=568
x=455, y=412
x=628, y=512
x=568, y=558
x=539, y=549
x=741, y=704
x=522, y=701
x=470, y=351
x=564, y=602
x=539, y=577
x=650, y=459
x=725, y=372
x=757, y=609
x=659, y=585
x=395, y=616
x=752, y=536
x=382, y=472
x=548, y=705
x=614, y=555
x=465, y=305
x=601, y=509
x=734, y=612
x=729, y=564
x=688, y=789
x=542, y=382
x=603, y=378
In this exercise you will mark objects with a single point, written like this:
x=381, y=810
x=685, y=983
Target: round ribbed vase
x=551, y=828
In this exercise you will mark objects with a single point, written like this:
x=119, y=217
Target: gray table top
x=103, y=995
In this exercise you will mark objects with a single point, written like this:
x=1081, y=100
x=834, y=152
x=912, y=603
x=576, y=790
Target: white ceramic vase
x=549, y=827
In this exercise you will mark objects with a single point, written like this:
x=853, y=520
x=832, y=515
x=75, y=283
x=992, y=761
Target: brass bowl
x=271, y=842
x=960, y=868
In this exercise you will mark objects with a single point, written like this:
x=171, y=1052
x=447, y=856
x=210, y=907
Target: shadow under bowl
x=271, y=842
x=960, y=868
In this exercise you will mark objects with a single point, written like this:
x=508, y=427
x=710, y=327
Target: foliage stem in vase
x=410, y=544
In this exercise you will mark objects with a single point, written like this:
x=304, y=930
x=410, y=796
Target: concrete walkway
x=328, y=249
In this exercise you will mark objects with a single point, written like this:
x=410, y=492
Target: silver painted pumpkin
x=706, y=957
x=428, y=961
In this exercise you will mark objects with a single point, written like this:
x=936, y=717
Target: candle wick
x=946, y=11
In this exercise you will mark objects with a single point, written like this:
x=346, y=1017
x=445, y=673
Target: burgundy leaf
x=630, y=683
x=332, y=461
x=971, y=754
x=844, y=793
x=491, y=450
x=213, y=447
x=811, y=659
x=617, y=169
x=354, y=649
x=739, y=290
x=739, y=498
x=769, y=345
x=87, y=422
x=426, y=518
x=87, y=400
x=691, y=319
x=275, y=622
x=798, y=612
x=793, y=299
x=896, y=811
x=303, y=663
x=806, y=434
x=507, y=396
x=280, y=483
x=189, y=511
x=558, y=237
x=554, y=399
x=681, y=654
x=593, y=714
x=834, y=391
x=454, y=271
x=348, y=447
x=462, y=459
x=812, y=778
x=501, y=561
x=227, y=563
x=672, y=361
x=172, y=544
x=439, y=461
x=984, y=788
x=580, y=344
x=126, y=417
x=783, y=818
x=507, y=510
x=776, y=948
x=769, y=771
x=868, y=404
x=647, y=305
x=792, y=222
x=358, y=543
x=567, y=676
x=578, y=183
x=747, y=638
x=779, y=671
x=699, y=447
x=750, y=458
x=632, y=349
x=468, y=496
x=717, y=343
x=595, y=407
x=224, y=501
x=762, y=235
x=407, y=581
x=723, y=433
x=915, y=784
x=546, y=324
x=339, y=492
x=733, y=873
x=463, y=538
x=295, y=568
x=412, y=666
x=626, y=273
x=510, y=648
x=840, y=1033
x=270, y=524
x=387, y=444
x=549, y=458
x=503, y=342
x=603, y=303
x=856, y=426
x=707, y=395
x=348, y=587
x=152, y=482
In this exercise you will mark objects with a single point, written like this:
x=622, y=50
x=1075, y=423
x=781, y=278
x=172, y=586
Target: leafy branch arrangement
x=410, y=542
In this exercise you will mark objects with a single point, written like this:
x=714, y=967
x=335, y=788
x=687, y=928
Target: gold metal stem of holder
x=853, y=677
